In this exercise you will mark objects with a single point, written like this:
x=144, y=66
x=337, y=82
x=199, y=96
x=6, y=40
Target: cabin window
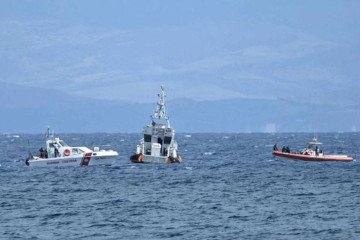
x=167, y=140
x=62, y=143
x=77, y=151
x=147, y=138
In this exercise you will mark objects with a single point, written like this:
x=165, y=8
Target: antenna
x=315, y=134
x=29, y=146
x=30, y=155
x=160, y=112
x=47, y=134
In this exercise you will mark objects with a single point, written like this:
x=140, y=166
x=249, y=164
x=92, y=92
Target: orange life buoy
x=67, y=152
x=140, y=159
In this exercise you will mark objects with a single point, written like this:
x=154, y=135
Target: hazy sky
x=300, y=51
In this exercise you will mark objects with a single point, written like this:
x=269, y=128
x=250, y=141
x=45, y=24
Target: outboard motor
x=28, y=158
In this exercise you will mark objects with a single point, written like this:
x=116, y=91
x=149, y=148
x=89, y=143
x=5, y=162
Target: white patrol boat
x=58, y=153
x=158, y=144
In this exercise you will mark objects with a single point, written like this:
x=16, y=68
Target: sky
x=307, y=52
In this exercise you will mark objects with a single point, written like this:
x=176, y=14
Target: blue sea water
x=229, y=187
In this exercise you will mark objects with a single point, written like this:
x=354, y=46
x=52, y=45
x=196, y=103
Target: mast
x=48, y=134
x=160, y=112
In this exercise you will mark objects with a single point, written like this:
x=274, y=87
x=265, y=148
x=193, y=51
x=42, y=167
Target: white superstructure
x=158, y=144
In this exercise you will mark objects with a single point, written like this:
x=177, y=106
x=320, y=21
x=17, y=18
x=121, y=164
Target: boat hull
x=298, y=156
x=103, y=158
x=140, y=158
x=49, y=162
x=88, y=159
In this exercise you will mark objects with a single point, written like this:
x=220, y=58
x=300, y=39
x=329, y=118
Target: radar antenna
x=160, y=112
x=48, y=134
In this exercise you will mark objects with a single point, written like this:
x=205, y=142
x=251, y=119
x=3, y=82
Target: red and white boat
x=312, y=153
x=58, y=153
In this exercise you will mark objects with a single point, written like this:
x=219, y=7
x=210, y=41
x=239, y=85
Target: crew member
x=275, y=148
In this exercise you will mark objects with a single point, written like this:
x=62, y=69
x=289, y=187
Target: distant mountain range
x=31, y=110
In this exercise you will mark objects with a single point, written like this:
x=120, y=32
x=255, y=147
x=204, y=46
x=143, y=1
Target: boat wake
x=208, y=153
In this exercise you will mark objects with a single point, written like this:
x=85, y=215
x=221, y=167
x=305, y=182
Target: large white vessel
x=58, y=153
x=158, y=144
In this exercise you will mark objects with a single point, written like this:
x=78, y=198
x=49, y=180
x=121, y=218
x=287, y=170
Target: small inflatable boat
x=310, y=153
x=305, y=157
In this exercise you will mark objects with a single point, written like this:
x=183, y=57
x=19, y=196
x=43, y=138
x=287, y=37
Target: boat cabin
x=314, y=144
x=55, y=147
x=159, y=137
x=157, y=140
x=313, y=148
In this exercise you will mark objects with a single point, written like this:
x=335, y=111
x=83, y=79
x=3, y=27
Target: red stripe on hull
x=86, y=159
x=312, y=158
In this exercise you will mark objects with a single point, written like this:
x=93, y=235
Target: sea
x=228, y=187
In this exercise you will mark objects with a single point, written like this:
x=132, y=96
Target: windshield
x=77, y=151
x=62, y=143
